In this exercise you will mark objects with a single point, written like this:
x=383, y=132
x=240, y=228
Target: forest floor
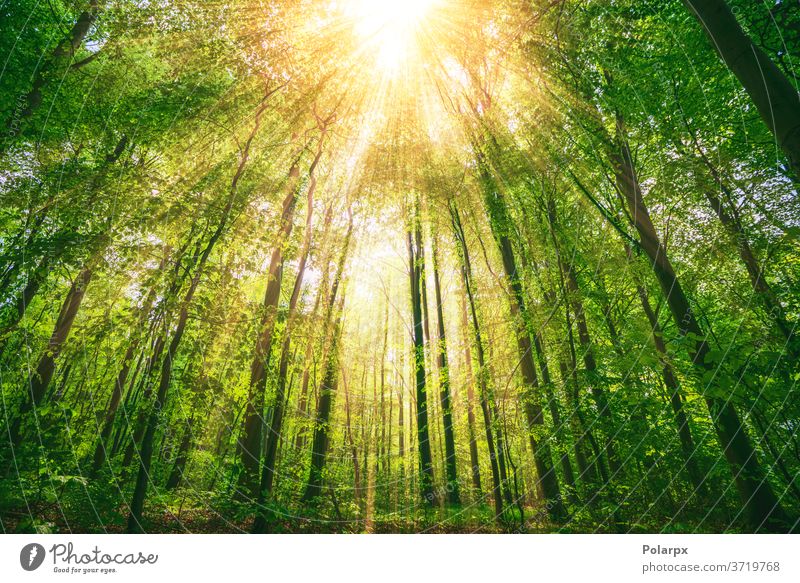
x=52, y=518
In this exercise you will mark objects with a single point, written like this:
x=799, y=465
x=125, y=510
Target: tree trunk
x=774, y=309
x=417, y=281
x=772, y=93
x=146, y=450
x=486, y=395
x=675, y=396
x=275, y=427
x=322, y=429
x=122, y=380
x=469, y=381
x=761, y=507
x=39, y=381
x=319, y=448
x=453, y=490
x=176, y=475
x=531, y=399
x=249, y=446
x=573, y=297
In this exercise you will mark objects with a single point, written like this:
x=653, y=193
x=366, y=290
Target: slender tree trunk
x=486, y=396
x=141, y=417
x=417, y=282
x=575, y=422
x=351, y=442
x=319, y=448
x=176, y=475
x=275, y=428
x=470, y=380
x=39, y=380
x=772, y=305
x=590, y=364
x=383, y=456
x=555, y=411
x=146, y=450
x=453, y=489
x=573, y=297
x=302, y=400
x=732, y=223
x=122, y=379
x=531, y=399
x=675, y=397
x=252, y=435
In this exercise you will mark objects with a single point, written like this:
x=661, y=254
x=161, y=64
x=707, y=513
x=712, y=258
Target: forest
x=431, y=266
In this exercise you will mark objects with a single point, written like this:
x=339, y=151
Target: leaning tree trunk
x=39, y=380
x=732, y=223
x=121, y=381
x=251, y=437
x=25, y=296
x=771, y=303
x=760, y=506
x=302, y=399
x=555, y=411
x=486, y=395
x=500, y=223
x=773, y=94
x=275, y=427
x=146, y=450
x=675, y=396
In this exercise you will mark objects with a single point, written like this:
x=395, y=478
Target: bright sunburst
x=389, y=27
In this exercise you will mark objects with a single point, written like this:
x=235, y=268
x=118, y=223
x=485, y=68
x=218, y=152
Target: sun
x=389, y=29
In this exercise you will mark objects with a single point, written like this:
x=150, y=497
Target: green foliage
x=158, y=154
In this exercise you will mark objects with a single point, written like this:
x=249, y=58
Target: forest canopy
x=420, y=266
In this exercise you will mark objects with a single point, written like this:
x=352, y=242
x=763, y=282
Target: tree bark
x=772, y=93
x=531, y=399
x=762, y=509
x=39, y=380
x=249, y=446
x=469, y=381
x=453, y=489
x=417, y=281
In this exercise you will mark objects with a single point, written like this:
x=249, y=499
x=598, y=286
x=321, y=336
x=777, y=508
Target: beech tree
x=444, y=265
